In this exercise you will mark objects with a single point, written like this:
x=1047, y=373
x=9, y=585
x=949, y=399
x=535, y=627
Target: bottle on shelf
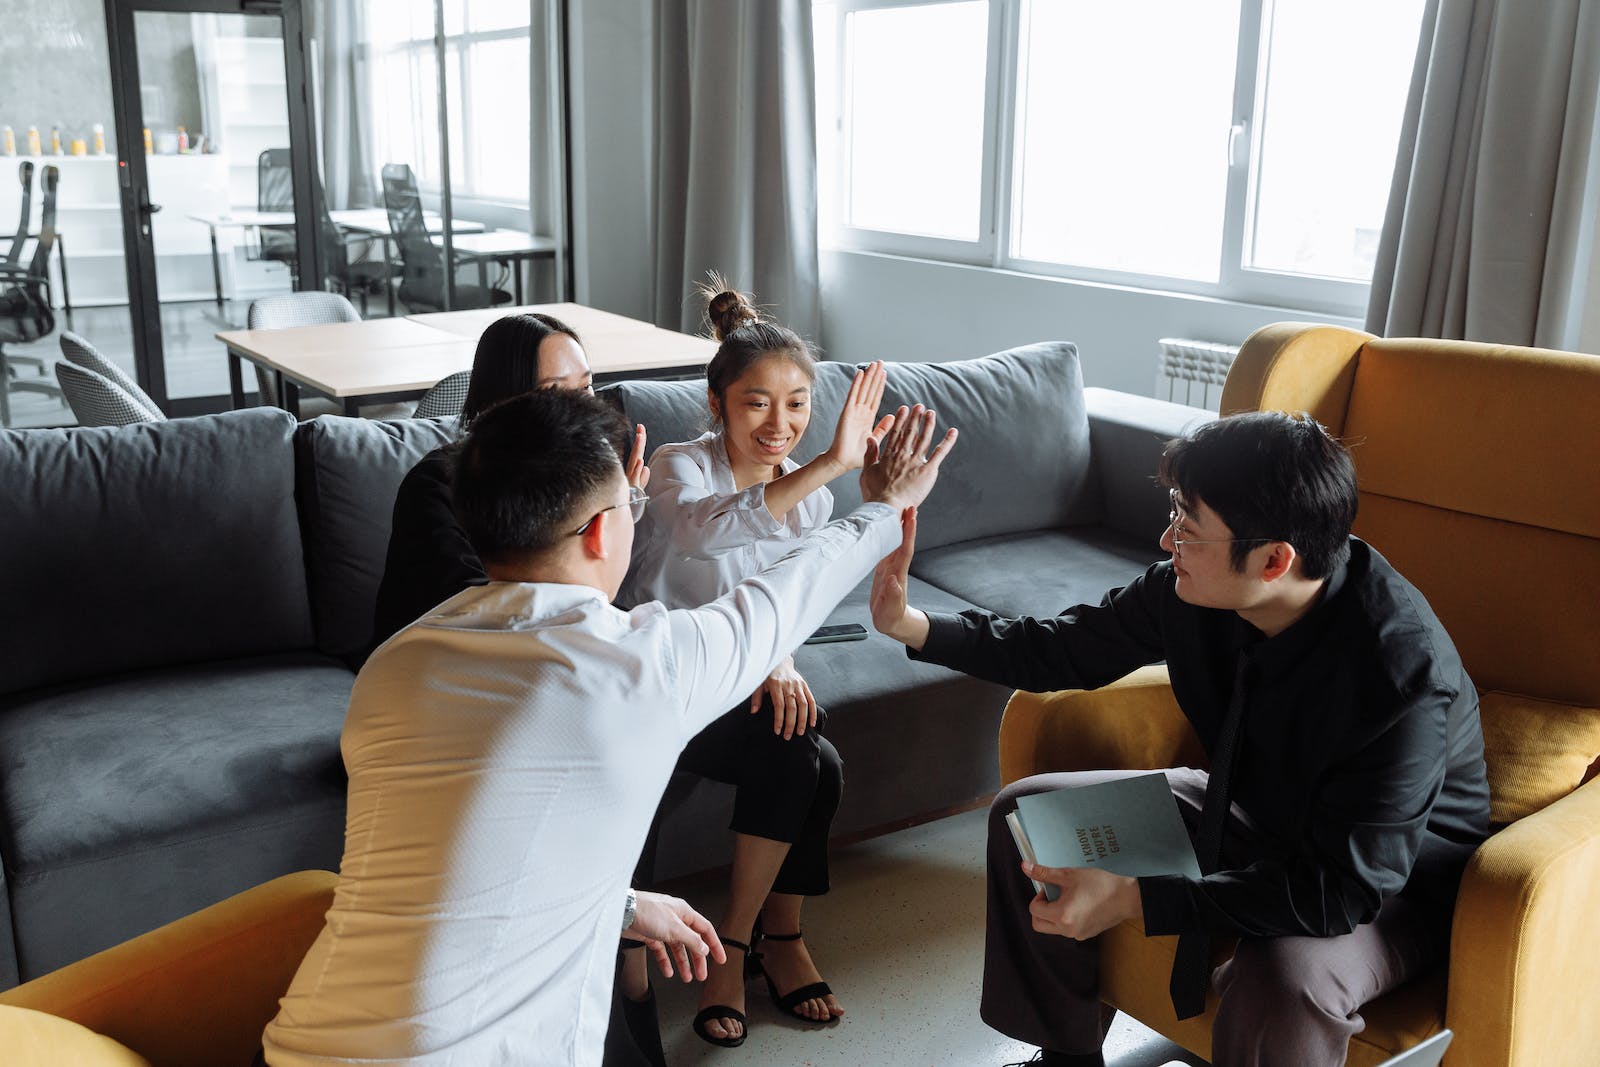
x=55, y=139
x=33, y=141
x=183, y=141
x=149, y=142
x=99, y=139
x=8, y=142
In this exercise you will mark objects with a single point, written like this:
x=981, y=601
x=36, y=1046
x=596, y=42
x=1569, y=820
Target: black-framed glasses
x=1175, y=523
x=635, y=504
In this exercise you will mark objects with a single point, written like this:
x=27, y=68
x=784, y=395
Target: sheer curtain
x=348, y=170
x=736, y=170
x=1490, y=226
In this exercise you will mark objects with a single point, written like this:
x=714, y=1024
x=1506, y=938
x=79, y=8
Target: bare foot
x=790, y=967
x=724, y=985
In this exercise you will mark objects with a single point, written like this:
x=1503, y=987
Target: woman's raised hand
x=856, y=421
x=637, y=473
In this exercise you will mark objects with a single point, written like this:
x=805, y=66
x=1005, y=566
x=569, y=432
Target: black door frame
x=144, y=302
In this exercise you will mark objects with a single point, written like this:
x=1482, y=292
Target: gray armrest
x=1126, y=436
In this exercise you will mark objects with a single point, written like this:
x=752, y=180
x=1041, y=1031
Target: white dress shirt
x=506, y=754
x=700, y=535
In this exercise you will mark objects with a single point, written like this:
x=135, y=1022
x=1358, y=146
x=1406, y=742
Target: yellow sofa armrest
x=1133, y=723
x=197, y=991
x=1523, y=975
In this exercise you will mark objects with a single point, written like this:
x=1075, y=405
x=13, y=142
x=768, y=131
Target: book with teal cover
x=1128, y=826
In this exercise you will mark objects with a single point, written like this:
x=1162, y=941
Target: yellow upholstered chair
x=194, y=993
x=1479, y=469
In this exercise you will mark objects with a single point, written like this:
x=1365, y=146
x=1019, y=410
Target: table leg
x=352, y=407
x=388, y=269
x=216, y=267
x=289, y=395
x=235, y=381
x=516, y=279
x=483, y=279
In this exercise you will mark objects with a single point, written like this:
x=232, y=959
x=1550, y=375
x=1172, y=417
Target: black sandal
x=788, y=1002
x=723, y=1011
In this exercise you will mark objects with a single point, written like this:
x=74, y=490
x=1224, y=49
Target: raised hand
x=891, y=615
x=899, y=469
x=856, y=419
x=675, y=932
x=638, y=474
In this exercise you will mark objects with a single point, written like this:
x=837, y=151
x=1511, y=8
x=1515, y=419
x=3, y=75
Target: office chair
x=422, y=275
x=445, y=398
x=286, y=311
x=98, y=401
x=79, y=351
x=275, y=192
x=25, y=312
x=25, y=176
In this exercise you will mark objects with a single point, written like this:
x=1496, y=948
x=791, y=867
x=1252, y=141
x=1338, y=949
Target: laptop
x=1427, y=1054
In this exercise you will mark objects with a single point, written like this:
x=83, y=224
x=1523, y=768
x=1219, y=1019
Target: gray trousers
x=1285, y=1001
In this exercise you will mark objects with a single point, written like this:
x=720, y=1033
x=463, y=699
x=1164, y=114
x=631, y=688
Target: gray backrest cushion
x=1022, y=459
x=1022, y=462
x=148, y=545
x=348, y=472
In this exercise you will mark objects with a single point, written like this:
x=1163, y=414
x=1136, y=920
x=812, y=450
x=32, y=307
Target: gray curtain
x=1485, y=237
x=736, y=170
x=349, y=175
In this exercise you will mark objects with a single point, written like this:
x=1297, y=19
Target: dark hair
x=506, y=363
x=746, y=339
x=530, y=465
x=1274, y=477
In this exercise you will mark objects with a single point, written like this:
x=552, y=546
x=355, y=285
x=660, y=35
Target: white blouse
x=506, y=754
x=700, y=536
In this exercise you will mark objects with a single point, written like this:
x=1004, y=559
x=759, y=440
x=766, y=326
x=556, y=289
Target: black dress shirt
x=430, y=559
x=1360, y=755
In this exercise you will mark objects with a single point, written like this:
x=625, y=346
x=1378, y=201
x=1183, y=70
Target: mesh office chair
x=79, y=351
x=98, y=401
x=351, y=277
x=275, y=192
x=25, y=312
x=25, y=176
x=286, y=311
x=422, y=277
x=445, y=398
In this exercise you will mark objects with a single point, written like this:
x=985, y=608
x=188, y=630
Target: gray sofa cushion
x=127, y=804
x=1022, y=462
x=1041, y=573
x=349, y=471
x=154, y=544
x=915, y=738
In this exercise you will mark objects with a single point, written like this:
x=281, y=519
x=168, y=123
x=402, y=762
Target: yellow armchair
x=194, y=993
x=1479, y=469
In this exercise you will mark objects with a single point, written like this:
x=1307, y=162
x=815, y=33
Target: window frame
x=1001, y=177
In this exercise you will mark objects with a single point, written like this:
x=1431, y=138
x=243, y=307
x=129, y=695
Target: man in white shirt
x=506, y=753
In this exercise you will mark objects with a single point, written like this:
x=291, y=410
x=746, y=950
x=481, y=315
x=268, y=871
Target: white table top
x=403, y=355
x=365, y=220
x=501, y=242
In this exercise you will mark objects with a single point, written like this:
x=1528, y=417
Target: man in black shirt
x=1347, y=783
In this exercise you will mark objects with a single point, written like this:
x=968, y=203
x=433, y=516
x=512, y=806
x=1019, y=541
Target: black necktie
x=1191, y=968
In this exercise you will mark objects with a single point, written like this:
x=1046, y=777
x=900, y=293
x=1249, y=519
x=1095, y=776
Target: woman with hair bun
x=723, y=507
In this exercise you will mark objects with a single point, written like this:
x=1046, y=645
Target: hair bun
x=727, y=310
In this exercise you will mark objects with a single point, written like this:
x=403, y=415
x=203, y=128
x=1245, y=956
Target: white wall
x=612, y=52
x=890, y=307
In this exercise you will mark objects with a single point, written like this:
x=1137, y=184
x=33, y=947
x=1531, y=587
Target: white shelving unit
x=89, y=218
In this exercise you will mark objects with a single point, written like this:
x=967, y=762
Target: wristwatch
x=630, y=908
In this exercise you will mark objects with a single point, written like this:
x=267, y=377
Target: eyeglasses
x=1179, y=542
x=635, y=505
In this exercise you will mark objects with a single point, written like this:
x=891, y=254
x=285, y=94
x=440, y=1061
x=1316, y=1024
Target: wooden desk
x=391, y=359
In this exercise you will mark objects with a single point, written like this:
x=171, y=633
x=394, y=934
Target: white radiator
x=1202, y=363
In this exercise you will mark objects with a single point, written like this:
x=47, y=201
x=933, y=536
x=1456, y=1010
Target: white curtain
x=736, y=172
x=1489, y=229
x=349, y=175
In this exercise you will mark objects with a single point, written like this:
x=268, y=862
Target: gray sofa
x=182, y=606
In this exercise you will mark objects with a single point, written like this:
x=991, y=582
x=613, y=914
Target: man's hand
x=1092, y=901
x=899, y=470
x=891, y=615
x=849, y=448
x=672, y=930
x=638, y=474
x=793, y=707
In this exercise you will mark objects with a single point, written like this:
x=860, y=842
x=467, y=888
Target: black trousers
x=785, y=790
x=1283, y=1000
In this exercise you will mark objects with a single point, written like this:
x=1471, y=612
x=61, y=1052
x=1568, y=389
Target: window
x=1190, y=145
x=487, y=89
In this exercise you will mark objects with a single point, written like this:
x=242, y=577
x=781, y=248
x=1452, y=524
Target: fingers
x=755, y=699
x=710, y=943
x=1061, y=876
x=943, y=448
x=638, y=444
x=686, y=968
x=658, y=949
x=810, y=702
x=885, y=424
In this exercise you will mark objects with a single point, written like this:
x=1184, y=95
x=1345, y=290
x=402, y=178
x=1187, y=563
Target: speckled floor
x=901, y=940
